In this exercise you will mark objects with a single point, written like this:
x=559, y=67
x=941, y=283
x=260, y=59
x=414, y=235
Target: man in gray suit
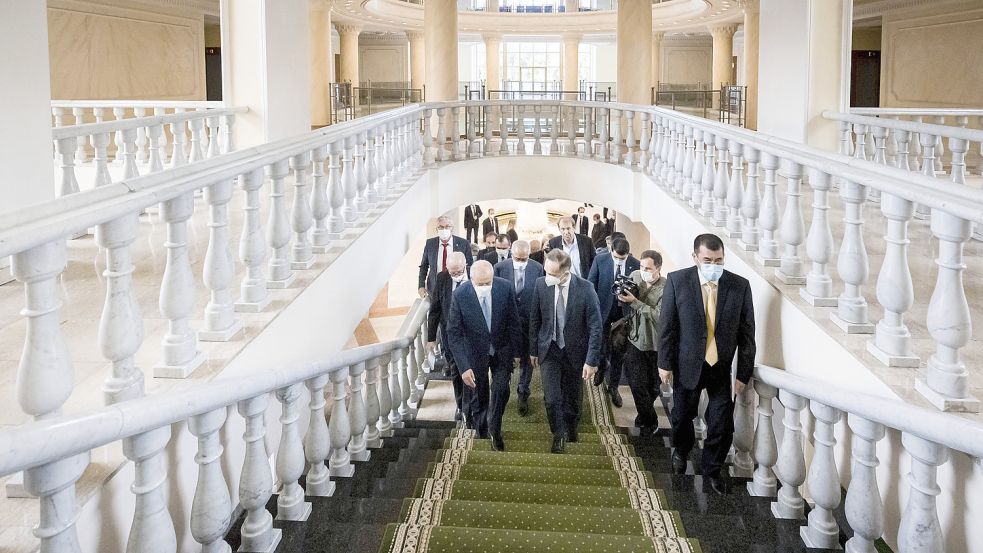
x=565, y=341
x=523, y=273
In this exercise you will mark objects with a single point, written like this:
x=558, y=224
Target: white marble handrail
x=370, y=387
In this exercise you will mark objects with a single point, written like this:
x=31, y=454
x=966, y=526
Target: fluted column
x=418, y=59
x=348, y=70
x=440, y=32
x=656, y=60
x=634, y=53
x=493, y=60
x=322, y=61
x=571, y=47
x=723, y=53
x=752, y=21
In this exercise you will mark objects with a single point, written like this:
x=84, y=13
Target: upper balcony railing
x=535, y=6
x=727, y=175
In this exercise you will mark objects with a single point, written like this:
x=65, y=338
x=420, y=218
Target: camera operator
x=641, y=358
x=605, y=273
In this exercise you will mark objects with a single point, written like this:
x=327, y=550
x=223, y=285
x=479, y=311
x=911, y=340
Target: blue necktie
x=520, y=279
x=486, y=309
x=560, y=319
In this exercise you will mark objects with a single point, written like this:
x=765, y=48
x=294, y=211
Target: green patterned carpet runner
x=596, y=497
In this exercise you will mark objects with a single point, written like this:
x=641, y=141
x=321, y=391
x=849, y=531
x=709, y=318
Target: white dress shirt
x=574, y=252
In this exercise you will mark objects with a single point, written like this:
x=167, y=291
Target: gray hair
x=445, y=219
x=520, y=246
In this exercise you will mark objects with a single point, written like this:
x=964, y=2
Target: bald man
x=440, y=307
x=485, y=334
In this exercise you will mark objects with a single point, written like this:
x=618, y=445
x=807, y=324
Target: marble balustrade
x=143, y=423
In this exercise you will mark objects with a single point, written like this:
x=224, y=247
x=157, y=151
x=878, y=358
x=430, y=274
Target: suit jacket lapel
x=698, y=289
x=723, y=287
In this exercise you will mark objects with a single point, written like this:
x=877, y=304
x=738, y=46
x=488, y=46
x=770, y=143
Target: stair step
x=537, y=446
x=538, y=475
x=547, y=494
x=448, y=539
x=566, y=460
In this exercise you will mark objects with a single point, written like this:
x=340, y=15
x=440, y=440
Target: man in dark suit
x=599, y=232
x=490, y=224
x=472, y=218
x=489, y=243
x=523, y=273
x=577, y=246
x=565, y=342
x=537, y=254
x=502, y=251
x=707, y=319
x=440, y=307
x=581, y=221
x=484, y=333
x=436, y=251
x=511, y=232
x=607, y=266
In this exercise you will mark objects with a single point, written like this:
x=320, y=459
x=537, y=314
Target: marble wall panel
x=686, y=64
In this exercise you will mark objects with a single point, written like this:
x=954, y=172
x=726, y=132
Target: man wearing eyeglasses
x=707, y=320
x=435, y=254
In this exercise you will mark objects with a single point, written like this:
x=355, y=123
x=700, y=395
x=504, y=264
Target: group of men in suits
x=514, y=313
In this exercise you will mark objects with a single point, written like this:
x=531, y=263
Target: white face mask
x=552, y=280
x=519, y=264
x=502, y=252
x=483, y=289
x=648, y=276
x=460, y=278
x=444, y=234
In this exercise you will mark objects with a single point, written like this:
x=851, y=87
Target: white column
x=322, y=62
x=634, y=53
x=723, y=54
x=348, y=70
x=440, y=32
x=656, y=60
x=493, y=60
x=571, y=62
x=418, y=59
x=752, y=24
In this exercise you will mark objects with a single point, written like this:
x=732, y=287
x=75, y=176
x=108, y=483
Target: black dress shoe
x=559, y=444
x=572, y=436
x=448, y=373
x=719, y=485
x=644, y=431
x=616, y=398
x=458, y=415
x=523, y=406
x=498, y=444
x=678, y=462
x=598, y=378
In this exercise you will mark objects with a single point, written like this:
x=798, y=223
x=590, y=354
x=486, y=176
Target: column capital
x=491, y=37
x=572, y=37
x=414, y=36
x=723, y=31
x=750, y=6
x=320, y=5
x=657, y=36
x=348, y=28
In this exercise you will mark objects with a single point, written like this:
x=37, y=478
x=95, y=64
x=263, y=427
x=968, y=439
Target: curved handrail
x=914, y=112
x=70, y=435
x=87, y=129
x=948, y=131
x=961, y=434
x=185, y=104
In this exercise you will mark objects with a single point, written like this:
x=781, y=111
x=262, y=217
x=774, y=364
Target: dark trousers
x=643, y=378
x=719, y=417
x=457, y=382
x=562, y=391
x=611, y=361
x=525, y=377
x=489, y=396
x=472, y=230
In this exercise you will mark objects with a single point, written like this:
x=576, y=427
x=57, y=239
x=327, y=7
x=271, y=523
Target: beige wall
x=866, y=38
x=686, y=61
x=383, y=60
x=927, y=57
x=102, y=50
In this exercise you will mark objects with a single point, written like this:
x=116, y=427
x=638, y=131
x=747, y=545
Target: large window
x=587, y=62
x=532, y=66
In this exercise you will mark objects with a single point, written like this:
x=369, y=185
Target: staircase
x=433, y=487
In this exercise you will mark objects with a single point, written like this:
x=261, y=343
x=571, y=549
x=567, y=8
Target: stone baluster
x=503, y=129
x=916, y=149
x=880, y=136
x=959, y=148
x=58, y=114
x=686, y=176
x=336, y=190
x=743, y=464
x=537, y=130
x=164, y=159
x=895, y=291
x=129, y=153
x=385, y=396
x=100, y=159
x=456, y=134
x=665, y=156
x=721, y=183
x=695, y=175
x=80, y=153
x=395, y=387
x=678, y=160
x=656, y=147
x=735, y=190
x=374, y=191
x=768, y=255
x=589, y=114
x=66, y=148
x=301, y=218
x=220, y=324
x=421, y=365
x=846, y=138
x=473, y=147
x=750, y=203
x=819, y=244
x=949, y=321
x=939, y=147
x=253, y=295
x=928, y=168
x=383, y=155
x=152, y=528
x=278, y=229
x=155, y=137
x=920, y=530
x=349, y=182
x=790, y=270
x=211, y=508
x=177, y=293
x=214, y=123
x=763, y=483
x=487, y=132
x=860, y=141
x=359, y=418
x=863, y=506
x=405, y=411
x=197, y=151
x=602, y=142
x=824, y=481
x=520, y=129
x=290, y=461
x=121, y=325
x=441, y=152
x=361, y=176
x=317, y=441
x=630, y=138
x=320, y=205
x=852, y=264
x=178, y=157
x=340, y=426
x=373, y=439
x=707, y=177
x=616, y=130
x=791, y=466
x=901, y=158
x=428, y=151
x=54, y=485
x=644, y=141
x=256, y=482
x=118, y=115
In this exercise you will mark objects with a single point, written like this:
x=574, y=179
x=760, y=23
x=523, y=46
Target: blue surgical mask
x=711, y=272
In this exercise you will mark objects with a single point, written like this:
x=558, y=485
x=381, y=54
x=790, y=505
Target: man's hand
x=666, y=376
x=534, y=361
x=589, y=371
x=468, y=378
x=515, y=362
x=431, y=346
x=627, y=297
x=423, y=293
x=739, y=387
